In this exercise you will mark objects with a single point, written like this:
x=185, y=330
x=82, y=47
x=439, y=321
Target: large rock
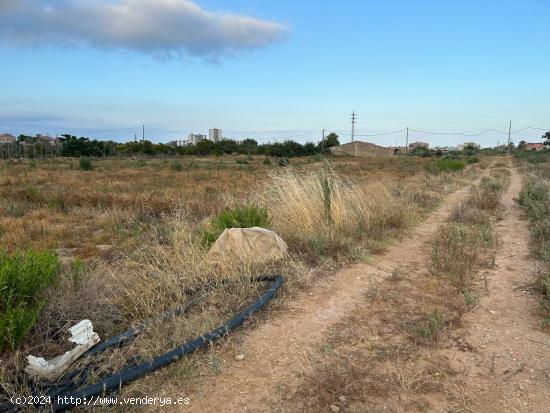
x=255, y=244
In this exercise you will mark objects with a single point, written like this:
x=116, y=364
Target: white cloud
x=168, y=28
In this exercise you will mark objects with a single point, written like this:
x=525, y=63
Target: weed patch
x=240, y=216
x=176, y=165
x=446, y=165
x=535, y=199
x=85, y=164
x=23, y=280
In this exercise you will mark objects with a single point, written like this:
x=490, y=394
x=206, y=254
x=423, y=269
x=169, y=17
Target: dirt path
x=274, y=352
x=509, y=367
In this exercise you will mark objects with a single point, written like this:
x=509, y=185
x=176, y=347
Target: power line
x=383, y=134
x=458, y=133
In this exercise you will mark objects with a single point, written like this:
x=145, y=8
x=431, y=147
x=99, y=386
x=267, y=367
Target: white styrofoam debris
x=82, y=334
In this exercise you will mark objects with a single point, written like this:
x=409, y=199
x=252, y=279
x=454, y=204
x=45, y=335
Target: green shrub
x=534, y=198
x=176, y=165
x=23, y=279
x=472, y=160
x=240, y=216
x=432, y=325
x=446, y=165
x=242, y=161
x=534, y=157
x=85, y=164
x=266, y=161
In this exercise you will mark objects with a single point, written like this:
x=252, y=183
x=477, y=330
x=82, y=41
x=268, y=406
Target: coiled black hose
x=117, y=380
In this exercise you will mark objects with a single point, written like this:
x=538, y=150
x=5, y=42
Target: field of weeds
x=535, y=200
x=380, y=357
x=120, y=241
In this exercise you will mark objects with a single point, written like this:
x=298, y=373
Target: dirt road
x=509, y=367
x=274, y=352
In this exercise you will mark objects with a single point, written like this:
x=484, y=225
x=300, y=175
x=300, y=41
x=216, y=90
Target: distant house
x=534, y=146
x=415, y=145
x=7, y=138
x=363, y=149
x=446, y=149
x=468, y=145
x=46, y=139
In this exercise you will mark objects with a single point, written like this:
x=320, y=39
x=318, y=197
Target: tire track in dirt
x=509, y=368
x=275, y=351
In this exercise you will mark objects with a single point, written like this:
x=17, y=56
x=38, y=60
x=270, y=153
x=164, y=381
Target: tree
x=330, y=141
x=521, y=145
x=546, y=138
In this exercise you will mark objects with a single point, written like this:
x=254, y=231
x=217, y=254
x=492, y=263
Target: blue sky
x=275, y=69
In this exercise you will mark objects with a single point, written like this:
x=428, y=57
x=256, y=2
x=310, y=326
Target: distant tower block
x=215, y=135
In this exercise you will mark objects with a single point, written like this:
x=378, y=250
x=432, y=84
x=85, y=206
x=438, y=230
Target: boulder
x=251, y=244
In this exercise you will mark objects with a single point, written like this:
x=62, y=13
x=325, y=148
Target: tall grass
x=317, y=213
x=321, y=215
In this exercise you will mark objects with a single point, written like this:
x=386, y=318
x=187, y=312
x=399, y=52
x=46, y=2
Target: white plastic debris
x=82, y=334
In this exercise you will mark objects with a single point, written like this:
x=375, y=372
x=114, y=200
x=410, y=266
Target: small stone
x=239, y=357
x=342, y=399
x=334, y=408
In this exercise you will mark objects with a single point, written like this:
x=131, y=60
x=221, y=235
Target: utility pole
x=407, y=141
x=509, y=136
x=143, y=134
x=353, y=121
x=323, y=142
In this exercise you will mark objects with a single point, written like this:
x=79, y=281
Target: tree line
x=72, y=146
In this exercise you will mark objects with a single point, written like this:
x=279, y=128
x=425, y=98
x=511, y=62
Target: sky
x=277, y=69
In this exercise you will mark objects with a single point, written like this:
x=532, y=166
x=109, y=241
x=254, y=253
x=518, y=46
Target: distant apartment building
x=215, y=135
x=177, y=143
x=468, y=145
x=7, y=138
x=193, y=138
x=415, y=145
x=534, y=146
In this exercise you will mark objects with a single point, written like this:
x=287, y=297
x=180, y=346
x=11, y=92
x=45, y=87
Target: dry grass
x=535, y=200
x=385, y=357
x=137, y=226
x=322, y=215
x=468, y=242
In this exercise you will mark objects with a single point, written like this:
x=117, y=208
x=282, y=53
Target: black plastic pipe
x=117, y=380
